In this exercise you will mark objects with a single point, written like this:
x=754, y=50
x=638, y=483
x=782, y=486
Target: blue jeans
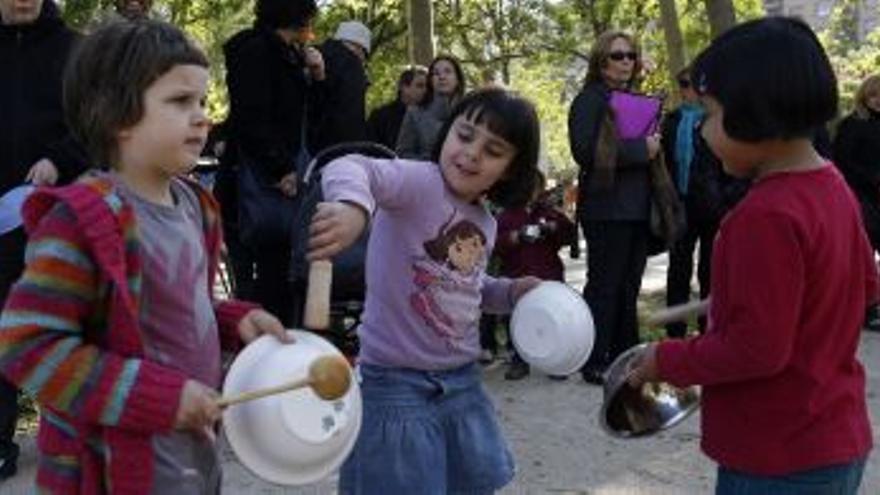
x=426, y=433
x=840, y=479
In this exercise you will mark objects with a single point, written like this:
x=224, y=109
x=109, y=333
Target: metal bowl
x=628, y=412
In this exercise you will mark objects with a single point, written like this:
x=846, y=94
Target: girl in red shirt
x=784, y=407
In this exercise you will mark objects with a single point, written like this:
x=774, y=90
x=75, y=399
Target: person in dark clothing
x=271, y=73
x=35, y=144
x=707, y=193
x=383, y=126
x=133, y=9
x=528, y=244
x=343, y=112
x=857, y=154
x=613, y=199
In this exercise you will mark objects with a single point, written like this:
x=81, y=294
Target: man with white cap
x=343, y=110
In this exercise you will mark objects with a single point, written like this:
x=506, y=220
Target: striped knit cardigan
x=69, y=336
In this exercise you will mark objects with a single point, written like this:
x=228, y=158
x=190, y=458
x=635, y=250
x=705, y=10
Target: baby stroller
x=348, y=287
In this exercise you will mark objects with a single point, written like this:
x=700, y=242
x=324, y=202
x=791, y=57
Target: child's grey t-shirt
x=178, y=326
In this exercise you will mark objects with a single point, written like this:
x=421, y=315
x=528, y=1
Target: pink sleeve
x=370, y=182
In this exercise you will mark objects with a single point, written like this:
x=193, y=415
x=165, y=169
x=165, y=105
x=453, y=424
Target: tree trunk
x=672, y=34
x=721, y=14
x=421, y=32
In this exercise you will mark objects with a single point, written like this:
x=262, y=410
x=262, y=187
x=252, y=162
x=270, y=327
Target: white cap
x=355, y=32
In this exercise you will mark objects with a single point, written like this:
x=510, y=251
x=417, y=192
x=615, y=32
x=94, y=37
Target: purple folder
x=636, y=115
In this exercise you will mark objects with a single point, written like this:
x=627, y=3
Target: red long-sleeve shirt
x=792, y=274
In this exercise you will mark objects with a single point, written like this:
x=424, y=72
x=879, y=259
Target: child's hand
x=644, y=367
x=522, y=285
x=335, y=226
x=198, y=409
x=259, y=321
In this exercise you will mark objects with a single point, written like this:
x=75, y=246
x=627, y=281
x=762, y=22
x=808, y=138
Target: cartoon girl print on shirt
x=447, y=280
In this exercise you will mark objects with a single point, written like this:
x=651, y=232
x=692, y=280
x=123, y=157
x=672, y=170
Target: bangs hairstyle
x=772, y=77
x=514, y=119
x=869, y=87
x=599, y=56
x=108, y=74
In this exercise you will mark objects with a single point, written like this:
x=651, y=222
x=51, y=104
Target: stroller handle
x=327, y=155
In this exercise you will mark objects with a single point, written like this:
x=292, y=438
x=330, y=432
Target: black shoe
x=593, y=376
x=517, y=371
x=9, y=463
x=872, y=319
x=558, y=378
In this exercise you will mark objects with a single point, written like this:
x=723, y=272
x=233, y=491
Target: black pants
x=616, y=256
x=272, y=289
x=12, y=247
x=681, y=269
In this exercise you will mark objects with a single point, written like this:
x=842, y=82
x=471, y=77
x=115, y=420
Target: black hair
x=772, y=77
x=459, y=74
x=285, y=14
x=108, y=74
x=514, y=119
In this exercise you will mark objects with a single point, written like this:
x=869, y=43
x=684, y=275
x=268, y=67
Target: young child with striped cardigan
x=112, y=327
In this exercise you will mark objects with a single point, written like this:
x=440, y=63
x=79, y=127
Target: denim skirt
x=426, y=433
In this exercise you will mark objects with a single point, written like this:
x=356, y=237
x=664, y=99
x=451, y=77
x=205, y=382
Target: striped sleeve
x=46, y=351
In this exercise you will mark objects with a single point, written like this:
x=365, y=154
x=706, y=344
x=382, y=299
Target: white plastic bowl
x=552, y=329
x=10, y=207
x=294, y=438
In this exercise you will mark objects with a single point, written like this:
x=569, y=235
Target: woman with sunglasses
x=613, y=199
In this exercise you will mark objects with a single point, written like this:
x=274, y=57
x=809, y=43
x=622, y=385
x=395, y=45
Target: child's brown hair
x=108, y=74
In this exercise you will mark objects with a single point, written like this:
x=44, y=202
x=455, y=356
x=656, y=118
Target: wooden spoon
x=329, y=377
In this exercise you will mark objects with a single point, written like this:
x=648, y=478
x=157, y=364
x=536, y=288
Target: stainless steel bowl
x=628, y=412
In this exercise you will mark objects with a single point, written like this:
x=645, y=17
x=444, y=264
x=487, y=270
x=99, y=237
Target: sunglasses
x=619, y=56
x=684, y=83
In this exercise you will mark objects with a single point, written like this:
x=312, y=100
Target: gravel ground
x=559, y=446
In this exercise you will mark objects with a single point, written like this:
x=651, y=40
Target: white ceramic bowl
x=294, y=438
x=552, y=329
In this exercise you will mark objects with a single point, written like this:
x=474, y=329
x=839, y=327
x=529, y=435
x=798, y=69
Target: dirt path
x=559, y=446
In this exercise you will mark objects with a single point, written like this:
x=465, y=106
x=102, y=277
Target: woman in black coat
x=857, y=155
x=613, y=199
x=270, y=73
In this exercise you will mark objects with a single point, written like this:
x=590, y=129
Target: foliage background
x=537, y=47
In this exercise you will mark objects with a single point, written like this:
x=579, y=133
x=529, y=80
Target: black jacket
x=857, y=154
x=628, y=196
x=383, y=126
x=32, y=126
x=711, y=191
x=343, y=113
x=268, y=91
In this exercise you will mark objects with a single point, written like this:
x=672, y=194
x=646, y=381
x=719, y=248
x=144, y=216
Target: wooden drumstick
x=329, y=376
x=680, y=312
x=317, y=311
